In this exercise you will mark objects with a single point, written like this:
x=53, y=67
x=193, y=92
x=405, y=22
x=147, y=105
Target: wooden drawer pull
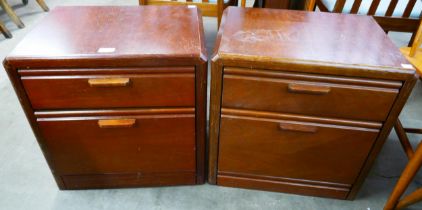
x=308, y=89
x=119, y=123
x=109, y=82
x=298, y=128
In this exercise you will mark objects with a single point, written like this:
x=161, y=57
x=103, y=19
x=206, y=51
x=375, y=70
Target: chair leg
x=404, y=140
x=25, y=2
x=11, y=13
x=43, y=5
x=410, y=199
x=4, y=30
x=406, y=177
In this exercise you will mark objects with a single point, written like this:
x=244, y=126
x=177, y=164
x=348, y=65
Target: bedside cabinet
x=302, y=102
x=116, y=96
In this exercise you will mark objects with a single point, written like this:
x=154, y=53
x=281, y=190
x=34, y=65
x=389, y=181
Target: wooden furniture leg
x=404, y=181
x=404, y=140
x=4, y=30
x=43, y=5
x=11, y=13
x=142, y=2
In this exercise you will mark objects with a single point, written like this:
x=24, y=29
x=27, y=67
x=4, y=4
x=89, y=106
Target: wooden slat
x=404, y=140
x=398, y=23
x=391, y=7
x=309, y=5
x=374, y=6
x=409, y=8
x=339, y=6
x=243, y=3
x=356, y=6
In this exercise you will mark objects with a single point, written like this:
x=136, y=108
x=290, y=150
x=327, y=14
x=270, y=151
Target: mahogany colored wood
x=102, y=144
x=91, y=91
x=292, y=149
x=302, y=102
x=121, y=105
x=304, y=97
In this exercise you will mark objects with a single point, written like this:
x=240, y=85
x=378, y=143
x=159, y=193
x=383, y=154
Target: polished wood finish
x=4, y=30
x=112, y=91
x=102, y=144
x=112, y=109
x=294, y=96
x=298, y=97
x=306, y=150
x=402, y=23
x=8, y=9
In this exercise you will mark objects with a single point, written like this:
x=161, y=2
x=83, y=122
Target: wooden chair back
x=388, y=21
x=339, y=6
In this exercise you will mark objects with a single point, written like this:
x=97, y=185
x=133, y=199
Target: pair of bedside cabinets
x=300, y=102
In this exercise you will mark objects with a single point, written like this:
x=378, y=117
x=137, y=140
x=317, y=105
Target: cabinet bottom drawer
x=283, y=186
x=120, y=142
x=98, y=181
x=294, y=149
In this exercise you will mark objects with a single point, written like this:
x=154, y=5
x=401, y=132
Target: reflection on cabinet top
x=115, y=31
x=285, y=35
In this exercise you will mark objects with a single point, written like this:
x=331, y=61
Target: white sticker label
x=191, y=6
x=407, y=66
x=106, y=50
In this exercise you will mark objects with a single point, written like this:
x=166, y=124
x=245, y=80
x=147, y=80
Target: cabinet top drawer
x=174, y=87
x=323, y=96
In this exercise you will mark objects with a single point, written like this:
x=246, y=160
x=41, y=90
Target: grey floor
x=26, y=182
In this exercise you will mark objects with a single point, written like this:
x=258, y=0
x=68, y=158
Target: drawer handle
x=109, y=82
x=119, y=123
x=308, y=89
x=298, y=128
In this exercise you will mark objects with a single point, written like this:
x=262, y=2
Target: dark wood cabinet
x=116, y=96
x=302, y=102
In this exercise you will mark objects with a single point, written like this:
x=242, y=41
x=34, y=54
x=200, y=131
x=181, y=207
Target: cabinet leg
x=43, y=5
x=406, y=177
x=11, y=13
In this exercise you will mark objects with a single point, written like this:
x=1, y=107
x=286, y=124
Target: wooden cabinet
x=120, y=105
x=302, y=102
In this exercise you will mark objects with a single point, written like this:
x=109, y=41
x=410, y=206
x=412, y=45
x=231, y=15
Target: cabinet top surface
x=268, y=34
x=104, y=31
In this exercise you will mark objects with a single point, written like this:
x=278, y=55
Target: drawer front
x=294, y=150
x=110, y=91
x=308, y=98
x=159, y=143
